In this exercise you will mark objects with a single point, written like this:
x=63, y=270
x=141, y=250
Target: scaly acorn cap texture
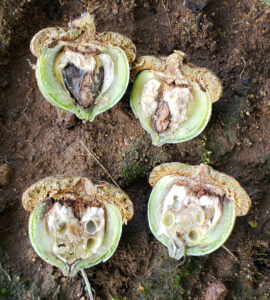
x=231, y=186
x=77, y=188
x=81, y=31
x=176, y=66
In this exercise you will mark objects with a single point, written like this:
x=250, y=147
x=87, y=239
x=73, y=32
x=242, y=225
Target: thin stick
x=99, y=163
x=169, y=21
x=33, y=66
x=183, y=259
x=81, y=3
x=243, y=66
x=26, y=116
x=87, y=283
x=182, y=262
x=56, y=292
x=28, y=101
x=5, y=272
x=249, y=13
x=229, y=251
x=125, y=5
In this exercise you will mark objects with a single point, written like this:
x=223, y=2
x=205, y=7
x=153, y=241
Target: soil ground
x=228, y=36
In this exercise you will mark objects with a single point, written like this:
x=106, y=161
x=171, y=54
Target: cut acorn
x=75, y=223
x=192, y=209
x=172, y=98
x=81, y=71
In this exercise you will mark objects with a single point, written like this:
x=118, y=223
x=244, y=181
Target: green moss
x=140, y=159
x=4, y=292
x=167, y=281
x=205, y=153
x=134, y=172
x=148, y=289
x=222, y=34
x=10, y=287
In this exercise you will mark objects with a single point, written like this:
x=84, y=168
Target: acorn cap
x=77, y=188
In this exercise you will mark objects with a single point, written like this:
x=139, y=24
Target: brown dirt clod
x=216, y=291
x=5, y=174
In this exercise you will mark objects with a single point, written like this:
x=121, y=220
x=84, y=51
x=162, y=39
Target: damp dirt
x=229, y=37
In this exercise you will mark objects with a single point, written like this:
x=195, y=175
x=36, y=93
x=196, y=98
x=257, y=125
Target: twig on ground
x=56, y=292
x=183, y=259
x=26, y=116
x=229, y=251
x=248, y=15
x=27, y=96
x=81, y=3
x=245, y=63
x=169, y=21
x=27, y=104
x=182, y=262
x=5, y=272
x=125, y=5
x=87, y=283
x=33, y=66
x=99, y=163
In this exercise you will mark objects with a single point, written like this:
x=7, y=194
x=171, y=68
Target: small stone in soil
x=195, y=5
x=245, y=82
x=5, y=173
x=216, y=291
x=3, y=81
x=14, y=115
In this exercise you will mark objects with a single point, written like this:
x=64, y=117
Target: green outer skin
x=34, y=220
x=114, y=220
x=53, y=91
x=199, y=113
x=222, y=230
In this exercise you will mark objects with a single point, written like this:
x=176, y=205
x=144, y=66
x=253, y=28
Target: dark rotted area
x=83, y=86
x=80, y=84
x=160, y=121
x=198, y=190
x=77, y=205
